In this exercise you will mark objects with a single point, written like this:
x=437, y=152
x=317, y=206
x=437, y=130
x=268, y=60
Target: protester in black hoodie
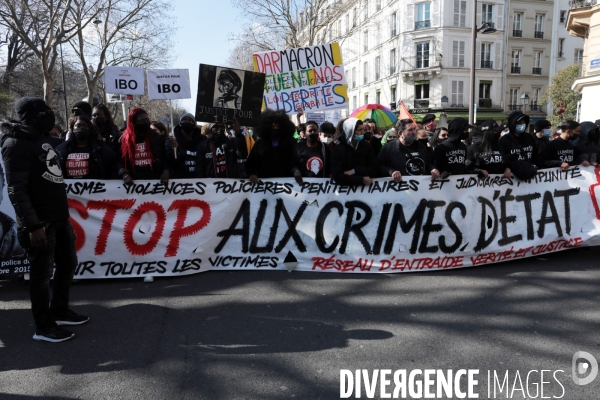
x=181, y=148
x=109, y=132
x=271, y=155
x=450, y=155
x=352, y=160
x=405, y=155
x=560, y=152
x=37, y=191
x=222, y=156
x=83, y=156
x=518, y=147
x=587, y=143
x=483, y=156
x=542, y=131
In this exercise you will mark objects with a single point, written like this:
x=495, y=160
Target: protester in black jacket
x=560, y=152
x=109, y=132
x=181, y=149
x=450, y=156
x=271, y=155
x=542, y=130
x=225, y=155
x=311, y=157
x=352, y=160
x=142, y=150
x=483, y=156
x=37, y=191
x=587, y=143
x=518, y=147
x=84, y=156
x=405, y=155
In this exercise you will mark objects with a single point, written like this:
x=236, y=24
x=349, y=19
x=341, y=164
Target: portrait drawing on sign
x=314, y=165
x=228, y=89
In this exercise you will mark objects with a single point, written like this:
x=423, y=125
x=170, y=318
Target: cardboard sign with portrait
x=224, y=93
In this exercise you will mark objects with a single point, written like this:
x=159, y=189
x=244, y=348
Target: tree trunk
x=47, y=86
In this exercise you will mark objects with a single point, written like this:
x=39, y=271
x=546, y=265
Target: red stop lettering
x=179, y=230
x=136, y=216
x=111, y=207
x=79, y=232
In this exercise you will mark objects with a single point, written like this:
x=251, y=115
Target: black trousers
x=59, y=252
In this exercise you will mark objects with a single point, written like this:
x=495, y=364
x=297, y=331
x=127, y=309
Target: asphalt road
x=275, y=335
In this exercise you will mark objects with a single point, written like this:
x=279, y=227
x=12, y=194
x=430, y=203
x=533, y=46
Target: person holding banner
x=587, y=143
x=483, y=157
x=270, y=157
x=560, y=152
x=450, y=156
x=311, y=157
x=222, y=156
x=83, y=156
x=38, y=193
x=405, y=156
x=109, y=132
x=352, y=160
x=181, y=149
x=518, y=148
x=142, y=150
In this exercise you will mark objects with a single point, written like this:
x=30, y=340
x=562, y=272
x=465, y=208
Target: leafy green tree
x=561, y=96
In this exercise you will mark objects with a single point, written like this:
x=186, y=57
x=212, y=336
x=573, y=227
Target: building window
x=561, y=42
x=347, y=24
x=393, y=94
x=354, y=102
x=366, y=72
x=377, y=5
x=423, y=16
x=421, y=94
x=392, y=61
x=377, y=68
x=365, y=40
x=393, y=24
x=366, y=14
x=563, y=16
x=485, y=94
x=460, y=13
x=353, y=77
x=458, y=93
x=487, y=14
x=578, y=56
x=518, y=25
x=537, y=62
x=514, y=100
x=486, y=56
x=378, y=97
x=366, y=98
x=354, y=16
x=539, y=26
x=422, y=55
x=458, y=54
x=535, y=99
x=338, y=30
x=515, y=64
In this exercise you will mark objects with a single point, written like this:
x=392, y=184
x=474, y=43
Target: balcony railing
x=514, y=107
x=517, y=33
x=423, y=62
x=514, y=69
x=535, y=107
x=421, y=103
x=536, y=71
x=486, y=103
x=488, y=24
x=487, y=64
x=422, y=24
x=538, y=35
x=582, y=3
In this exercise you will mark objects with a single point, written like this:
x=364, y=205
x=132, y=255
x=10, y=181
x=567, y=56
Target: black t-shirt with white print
x=450, y=156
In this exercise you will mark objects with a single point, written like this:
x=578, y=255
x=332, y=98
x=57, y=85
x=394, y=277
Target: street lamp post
x=486, y=27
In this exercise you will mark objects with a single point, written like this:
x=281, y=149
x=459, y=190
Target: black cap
x=28, y=108
x=81, y=108
x=541, y=125
x=489, y=125
x=427, y=118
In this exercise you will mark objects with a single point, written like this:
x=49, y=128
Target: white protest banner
x=318, y=117
x=419, y=224
x=311, y=78
x=124, y=80
x=169, y=84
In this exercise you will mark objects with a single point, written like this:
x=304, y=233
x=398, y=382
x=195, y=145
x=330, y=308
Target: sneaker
x=53, y=334
x=70, y=318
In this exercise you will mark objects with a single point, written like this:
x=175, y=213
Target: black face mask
x=441, y=140
x=313, y=138
x=424, y=141
x=99, y=122
x=44, y=124
x=187, y=126
x=367, y=136
x=142, y=127
x=82, y=134
x=275, y=133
